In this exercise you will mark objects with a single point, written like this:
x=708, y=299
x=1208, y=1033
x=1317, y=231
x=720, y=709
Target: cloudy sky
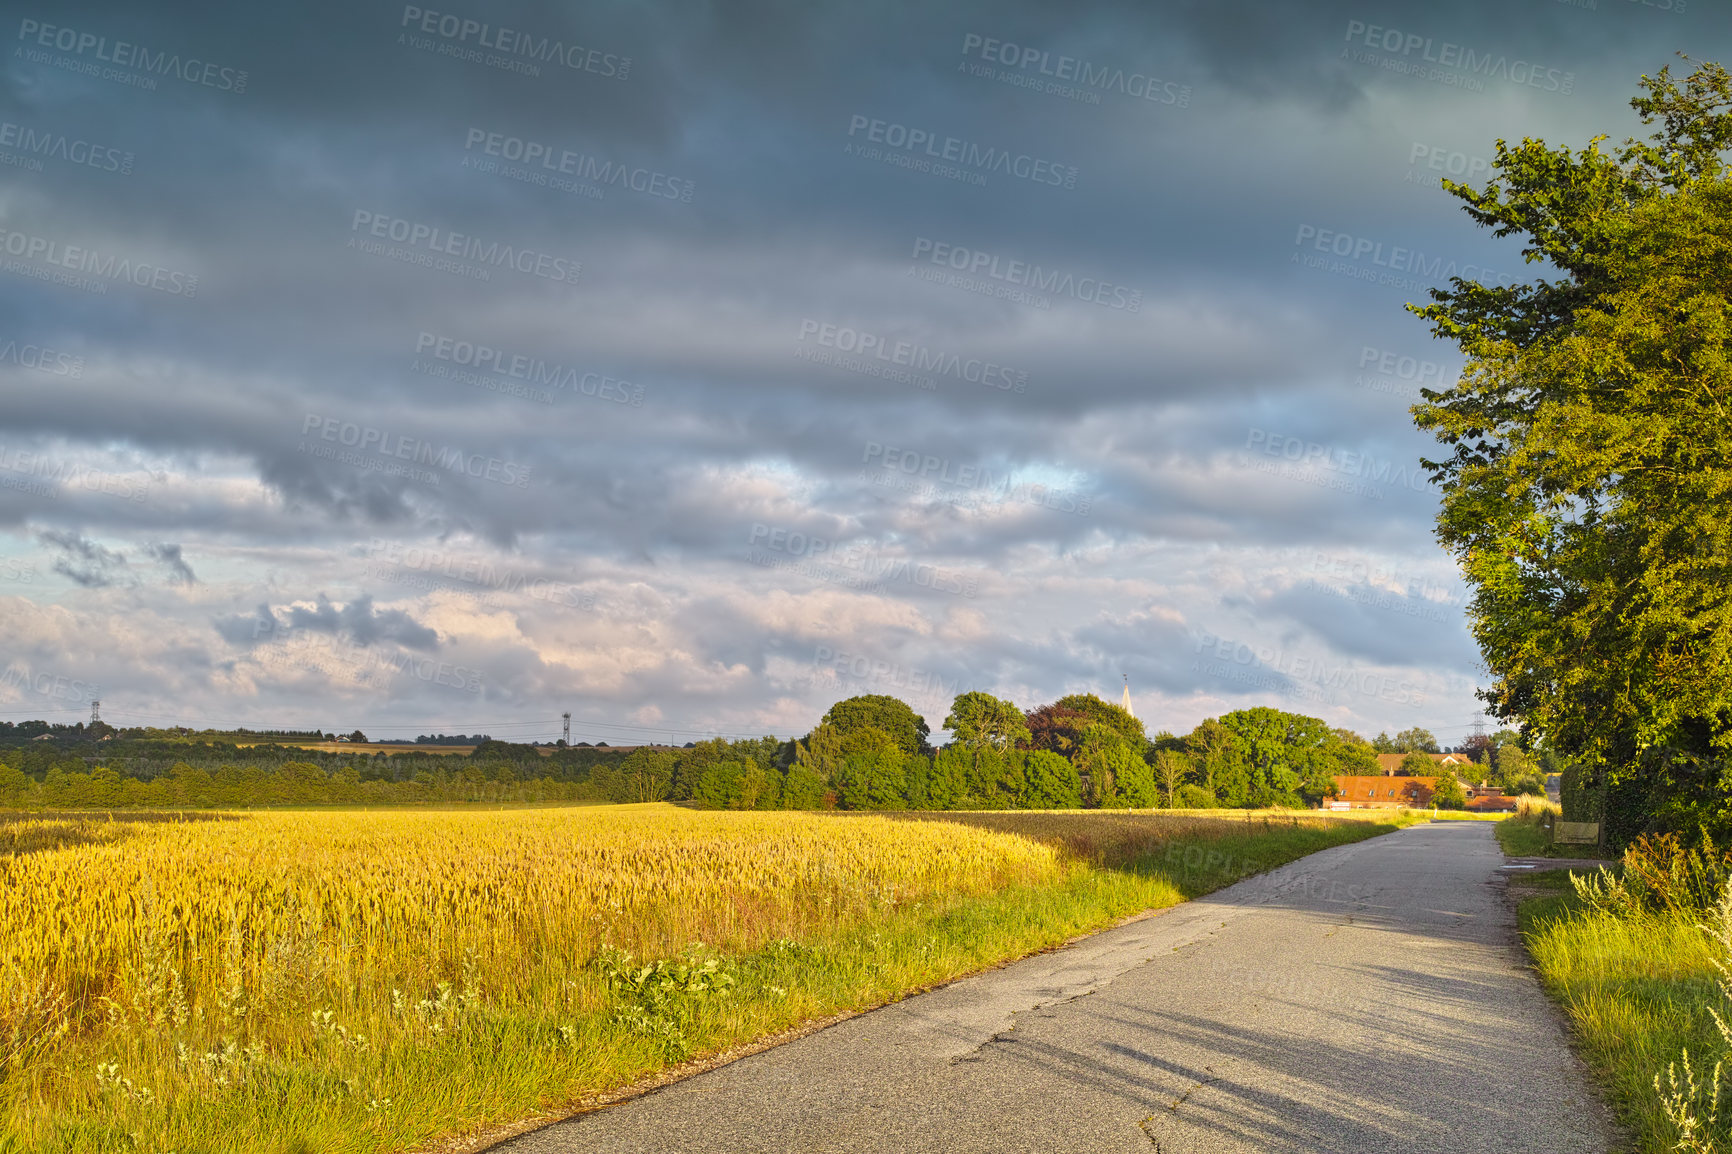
x=689, y=367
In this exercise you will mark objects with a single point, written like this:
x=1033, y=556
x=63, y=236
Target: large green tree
x=1587, y=492
x=981, y=719
x=1220, y=766
x=1416, y=740
x=1292, y=758
x=879, y=711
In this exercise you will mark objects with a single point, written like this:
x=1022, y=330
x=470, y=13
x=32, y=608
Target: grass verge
x=1638, y=991
x=171, y=1064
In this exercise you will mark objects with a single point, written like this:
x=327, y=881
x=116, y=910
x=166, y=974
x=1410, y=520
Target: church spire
x=1127, y=697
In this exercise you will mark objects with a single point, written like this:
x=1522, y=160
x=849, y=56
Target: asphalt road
x=1368, y=998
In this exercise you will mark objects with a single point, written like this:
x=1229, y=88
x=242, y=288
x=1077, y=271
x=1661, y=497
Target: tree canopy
x=982, y=719
x=876, y=710
x=1585, y=490
x=1103, y=712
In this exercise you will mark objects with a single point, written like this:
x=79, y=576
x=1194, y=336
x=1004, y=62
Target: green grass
x=1638, y=991
x=1523, y=836
x=491, y=1065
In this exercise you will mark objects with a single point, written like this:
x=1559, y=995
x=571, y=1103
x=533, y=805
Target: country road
x=1368, y=998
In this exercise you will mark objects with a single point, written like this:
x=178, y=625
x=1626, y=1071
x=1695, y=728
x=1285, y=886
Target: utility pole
x=567, y=716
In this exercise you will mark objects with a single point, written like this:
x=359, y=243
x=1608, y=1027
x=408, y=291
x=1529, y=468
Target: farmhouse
x=1357, y=791
x=1489, y=799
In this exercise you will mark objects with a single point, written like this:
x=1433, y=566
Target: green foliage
x=1219, y=761
x=723, y=786
x=1528, y=784
x=872, y=780
x=1172, y=769
x=1446, y=792
x=13, y=785
x=1417, y=764
x=1194, y=797
x=895, y=718
x=803, y=789
x=866, y=739
x=1352, y=754
x=1102, y=712
x=982, y=719
x=821, y=753
x=1414, y=740
x=1049, y=782
x=645, y=775
x=947, y=779
x=1581, y=795
x=1100, y=752
x=1587, y=491
x=1666, y=873
x=1290, y=758
x=1132, y=778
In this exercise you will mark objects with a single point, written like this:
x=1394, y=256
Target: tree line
x=873, y=752
x=867, y=752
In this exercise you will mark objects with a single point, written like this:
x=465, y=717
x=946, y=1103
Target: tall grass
x=1524, y=833
x=1638, y=958
x=370, y=981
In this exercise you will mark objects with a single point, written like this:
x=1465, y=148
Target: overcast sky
x=689, y=367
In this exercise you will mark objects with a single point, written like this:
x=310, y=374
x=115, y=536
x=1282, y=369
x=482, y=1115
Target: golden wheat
x=237, y=941
x=364, y=981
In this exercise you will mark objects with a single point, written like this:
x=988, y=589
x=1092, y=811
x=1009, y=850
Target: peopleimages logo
x=22, y=677
x=397, y=447
x=106, y=266
x=525, y=46
x=1446, y=54
x=555, y=161
x=522, y=367
x=1023, y=58
x=31, y=142
x=1398, y=259
x=440, y=241
x=966, y=153
x=975, y=263
x=1336, y=460
x=41, y=358
x=125, y=55
x=906, y=354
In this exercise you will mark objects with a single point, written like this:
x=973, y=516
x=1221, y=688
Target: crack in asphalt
x=1173, y=1106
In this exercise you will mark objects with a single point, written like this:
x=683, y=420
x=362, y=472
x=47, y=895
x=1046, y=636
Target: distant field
x=370, y=747
x=362, y=747
x=373, y=980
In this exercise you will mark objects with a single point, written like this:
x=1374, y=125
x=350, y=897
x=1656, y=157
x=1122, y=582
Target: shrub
x=1194, y=797
x=1663, y=873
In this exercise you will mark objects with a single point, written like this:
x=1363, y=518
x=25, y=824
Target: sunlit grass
x=1638, y=991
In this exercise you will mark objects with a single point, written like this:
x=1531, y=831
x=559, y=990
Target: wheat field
x=286, y=982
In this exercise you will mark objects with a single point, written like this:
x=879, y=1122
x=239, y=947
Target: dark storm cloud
x=730, y=360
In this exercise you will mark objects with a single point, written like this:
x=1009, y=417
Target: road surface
x=1368, y=998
